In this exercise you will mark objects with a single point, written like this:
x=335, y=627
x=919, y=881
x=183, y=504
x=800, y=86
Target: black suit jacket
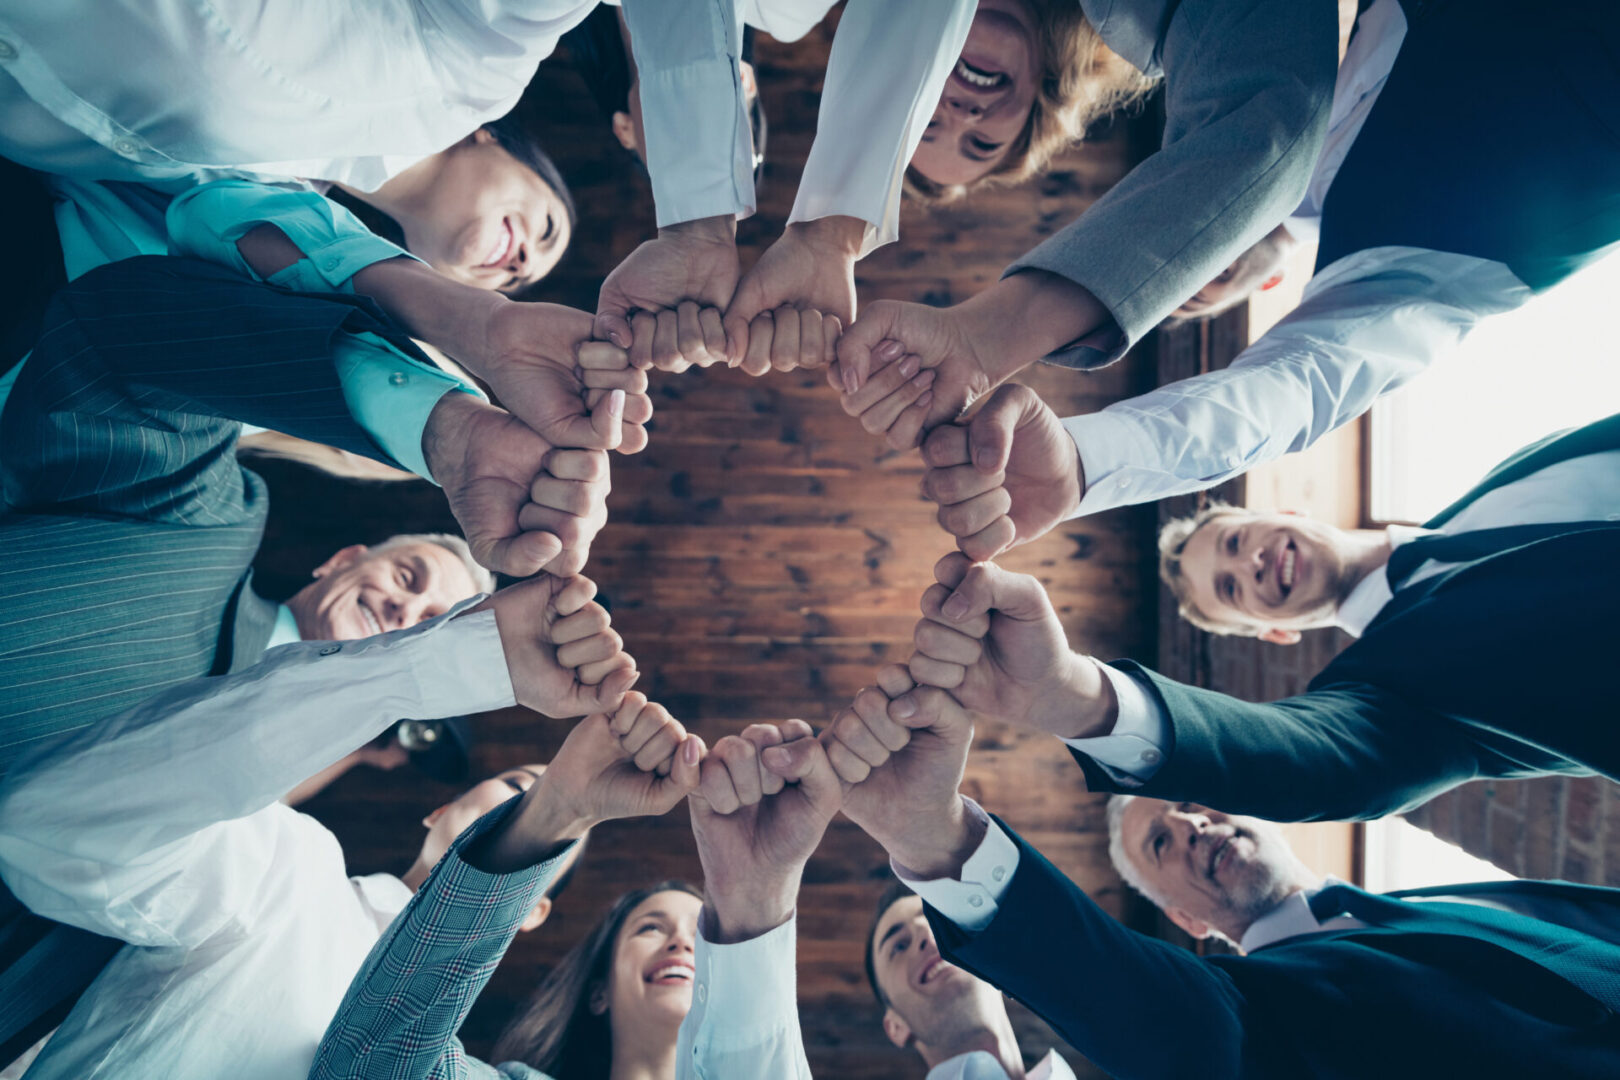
x=1440, y=1000
x=1499, y=667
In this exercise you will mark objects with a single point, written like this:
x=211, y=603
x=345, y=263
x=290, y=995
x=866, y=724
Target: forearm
x=427, y=305
x=935, y=844
x=1021, y=318
x=540, y=829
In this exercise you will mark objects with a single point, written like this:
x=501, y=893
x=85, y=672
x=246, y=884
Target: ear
x=427, y=822
x=898, y=1031
x=1279, y=637
x=624, y=129
x=599, y=999
x=1195, y=927
x=1273, y=281
x=482, y=136
x=340, y=559
x=538, y=915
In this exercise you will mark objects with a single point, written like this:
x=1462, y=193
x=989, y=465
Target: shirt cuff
x=1134, y=750
x=971, y=900
x=750, y=988
x=1110, y=460
x=391, y=395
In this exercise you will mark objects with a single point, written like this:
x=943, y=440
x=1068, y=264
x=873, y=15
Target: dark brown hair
x=557, y=1032
x=1082, y=81
x=896, y=891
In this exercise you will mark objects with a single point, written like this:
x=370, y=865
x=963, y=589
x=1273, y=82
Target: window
x=1552, y=364
x=1399, y=855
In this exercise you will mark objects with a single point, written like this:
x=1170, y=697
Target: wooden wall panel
x=764, y=556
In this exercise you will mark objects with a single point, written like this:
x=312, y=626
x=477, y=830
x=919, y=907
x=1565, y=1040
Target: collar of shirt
x=1380, y=30
x=285, y=631
x=1372, y=592
x=982, y=1065
x=1292, y=918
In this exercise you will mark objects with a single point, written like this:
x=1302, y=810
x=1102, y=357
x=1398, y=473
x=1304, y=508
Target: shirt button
x=330, y=649
x=125, y=146
x=703, y=992
x=398, y=378
x=8, y=51
x=331, y=264
x=975, y=900
x=1150, y=757
x=998, y=873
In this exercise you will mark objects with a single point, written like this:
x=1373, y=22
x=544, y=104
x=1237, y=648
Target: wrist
x=445, y=433
x=550, y=816
x=938, y=849
x=838, y=234
x=1026, y=316
x=721, y=229
x=1091, y=708
x=728, y=920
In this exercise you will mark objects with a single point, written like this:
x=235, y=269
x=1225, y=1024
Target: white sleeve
x=888, y=67
x=145, y=826
x=971, y=900
x=1367, y=324
x=1134, y=750
x=699, y=146
x=744, y=1020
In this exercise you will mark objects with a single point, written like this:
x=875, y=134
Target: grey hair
x=455, y=545
x=1173, y=540
x=1126, y=869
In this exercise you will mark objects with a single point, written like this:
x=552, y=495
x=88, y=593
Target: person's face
x=357, y=593
x=1275, y=573
x=491, y=221
x=452, y=819
x=1256, y=270
x=1216, y=871
x=931, y=1000
x=649, y=990
x=987, y=97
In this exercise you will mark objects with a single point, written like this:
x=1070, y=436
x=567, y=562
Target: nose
x=964, y=106
x=1257, y=562
x=408, y=609
x=681, y=942
x=1194, y=825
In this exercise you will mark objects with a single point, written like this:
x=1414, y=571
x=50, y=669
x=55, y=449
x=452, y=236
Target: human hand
x=560, y=654
x=992, y=640
x=524, y=505
x=943, y=342
x=640, y=306
x=535, y=359
x=1004, y=478
x=756, y=826
x=810, y=270
x=638, y=762
x=901, y=751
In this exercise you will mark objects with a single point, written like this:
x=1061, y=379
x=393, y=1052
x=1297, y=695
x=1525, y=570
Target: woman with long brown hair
x=1247, y=90
x=611, y=1008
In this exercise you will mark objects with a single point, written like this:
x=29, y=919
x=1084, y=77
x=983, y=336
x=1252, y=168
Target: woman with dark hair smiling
x=613, y=1006
x=1247, y=91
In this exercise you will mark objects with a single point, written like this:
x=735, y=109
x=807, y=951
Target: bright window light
x=1552, y=364
x=1399, y=855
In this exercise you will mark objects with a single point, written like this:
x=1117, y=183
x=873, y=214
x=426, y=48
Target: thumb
x=804, y=762
x=686, y=773
x=987, y=587
x=611, y=322
x=745, y=304
x=607, y=421
x=990, y=433
x=857, y=343
x=520, y=556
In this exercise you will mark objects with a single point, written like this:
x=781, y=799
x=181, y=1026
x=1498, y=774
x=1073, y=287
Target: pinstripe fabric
x=399, y=1019
x=132, y=526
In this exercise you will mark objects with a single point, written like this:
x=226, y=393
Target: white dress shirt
x=744, y=1019
x=982, y=1065
x=1368, y=323
x=1584, y=488
x=161, y=826
x=889, y=63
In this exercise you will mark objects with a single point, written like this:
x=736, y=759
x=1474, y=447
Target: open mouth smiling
x=934, y=969
x=670, y=973
x=501, y=252
x=977, y=78
x=1286, y=565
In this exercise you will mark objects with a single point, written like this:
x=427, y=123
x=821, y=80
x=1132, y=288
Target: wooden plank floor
x=764, y=557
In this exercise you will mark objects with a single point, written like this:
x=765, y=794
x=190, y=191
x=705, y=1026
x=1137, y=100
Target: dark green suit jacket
x=1424, y=991
x=1498, y=667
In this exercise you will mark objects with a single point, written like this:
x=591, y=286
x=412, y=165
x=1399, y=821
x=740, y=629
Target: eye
x=646, y=926
x=1228, y=589
x=403, y=576
x=1158, y=845
x=898, y=946
x=513, y=784
x=1231, y=543
x=551, y=227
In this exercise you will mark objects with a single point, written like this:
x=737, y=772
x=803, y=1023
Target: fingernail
x=955, y=607
x=985, y=458
x=689, y=752
x=908, y=366
x=851, y=383
x=902, y=707
x=616, y=403
x=925, y=379
x=775, y=757
x=926, y=399
x=889, y=350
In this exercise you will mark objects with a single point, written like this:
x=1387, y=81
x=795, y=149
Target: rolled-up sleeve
x=699, y=148
x=1248, y=87
x=208, y=220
